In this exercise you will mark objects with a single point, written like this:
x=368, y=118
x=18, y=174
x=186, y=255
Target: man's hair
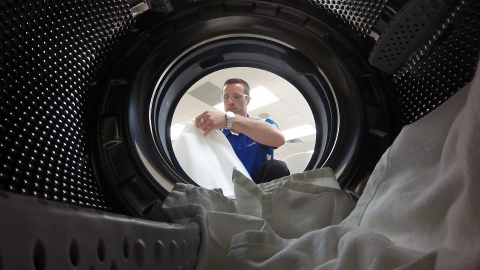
x=246, y=87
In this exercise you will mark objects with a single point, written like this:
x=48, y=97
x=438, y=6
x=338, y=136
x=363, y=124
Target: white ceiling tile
x=218, y=78
x=198, y=83
x=187, y=107
x=308, y=116
x=281, y=88
x=291, y=121
x=276, y=110
x=261, y=75
x=298, y=103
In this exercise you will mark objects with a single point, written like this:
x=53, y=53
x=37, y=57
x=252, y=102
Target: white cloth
x=420, y=208
x=278, y=207
x=209, y=160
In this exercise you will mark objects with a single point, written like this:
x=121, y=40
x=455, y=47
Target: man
x=253, y=140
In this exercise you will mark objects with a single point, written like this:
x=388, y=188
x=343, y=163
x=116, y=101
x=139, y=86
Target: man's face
x=235, y=106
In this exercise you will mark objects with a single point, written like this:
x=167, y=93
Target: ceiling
x=290, y=111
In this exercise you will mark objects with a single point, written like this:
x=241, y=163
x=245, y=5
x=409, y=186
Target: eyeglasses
x=234, y=97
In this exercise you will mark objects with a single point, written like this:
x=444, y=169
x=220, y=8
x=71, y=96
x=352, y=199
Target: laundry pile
x=419, y=210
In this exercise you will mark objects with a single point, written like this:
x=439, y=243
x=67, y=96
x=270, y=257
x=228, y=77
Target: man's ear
x=248, y=100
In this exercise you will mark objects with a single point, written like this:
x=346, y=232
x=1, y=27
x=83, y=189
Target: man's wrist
x=230, y=116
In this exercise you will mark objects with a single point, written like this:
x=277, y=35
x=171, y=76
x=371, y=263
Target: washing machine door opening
x=247, y=55
x=159, y=64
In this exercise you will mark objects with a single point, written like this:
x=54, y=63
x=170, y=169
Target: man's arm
x=260, y=131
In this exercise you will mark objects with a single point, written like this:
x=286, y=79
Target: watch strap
x=229, y=121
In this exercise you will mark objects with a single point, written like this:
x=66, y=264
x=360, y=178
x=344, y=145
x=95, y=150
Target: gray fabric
x=277, y=208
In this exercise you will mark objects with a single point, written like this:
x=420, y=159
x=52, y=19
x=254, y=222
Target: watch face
x=230, y=114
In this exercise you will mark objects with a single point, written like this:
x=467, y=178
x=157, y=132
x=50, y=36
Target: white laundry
x=419, y=210
x=278, y=207
x=209, y=160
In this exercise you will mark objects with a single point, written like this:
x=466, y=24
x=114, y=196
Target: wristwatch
x=230, y=116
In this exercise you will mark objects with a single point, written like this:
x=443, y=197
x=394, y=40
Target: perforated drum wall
x=438, y=69
x=361, y=14
x=444, y=65
x=49, y=52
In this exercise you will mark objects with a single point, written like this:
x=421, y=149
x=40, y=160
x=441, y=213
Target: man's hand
x=259, y=131
x=209, y=121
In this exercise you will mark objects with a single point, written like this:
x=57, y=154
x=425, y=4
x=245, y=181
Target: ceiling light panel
x=299, y=132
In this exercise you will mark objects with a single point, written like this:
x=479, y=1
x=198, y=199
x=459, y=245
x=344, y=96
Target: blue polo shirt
x=251, y=153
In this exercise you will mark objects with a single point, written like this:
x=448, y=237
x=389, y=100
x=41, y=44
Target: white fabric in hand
x=209, y=161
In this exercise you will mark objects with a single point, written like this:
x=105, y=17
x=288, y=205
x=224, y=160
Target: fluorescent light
x=175, y=131
x=260, y=97
x=299, y=132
